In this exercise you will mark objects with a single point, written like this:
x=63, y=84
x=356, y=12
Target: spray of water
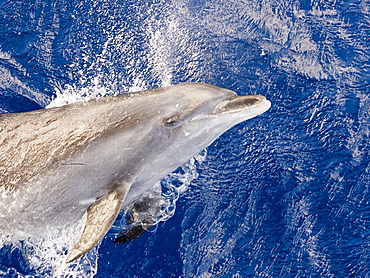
x=46, y=256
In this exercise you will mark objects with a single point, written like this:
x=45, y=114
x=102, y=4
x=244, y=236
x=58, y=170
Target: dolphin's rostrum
x=100, y=156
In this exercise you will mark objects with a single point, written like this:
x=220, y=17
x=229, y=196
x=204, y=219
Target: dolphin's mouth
x=239, y=103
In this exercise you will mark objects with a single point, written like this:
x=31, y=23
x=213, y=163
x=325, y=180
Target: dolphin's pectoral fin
x=131, y=233
x=100, y=217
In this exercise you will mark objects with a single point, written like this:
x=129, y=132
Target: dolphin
x=92, y=159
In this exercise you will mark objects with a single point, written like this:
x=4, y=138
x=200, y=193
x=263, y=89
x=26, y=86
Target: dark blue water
x=282, y=195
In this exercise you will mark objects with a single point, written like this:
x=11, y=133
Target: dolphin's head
x=197, y=109
x=191, y=116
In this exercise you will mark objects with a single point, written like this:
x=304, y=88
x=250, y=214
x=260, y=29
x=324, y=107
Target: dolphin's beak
x=241, y=103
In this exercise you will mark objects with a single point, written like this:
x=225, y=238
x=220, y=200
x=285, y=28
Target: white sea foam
x=70, y=94
x=46, y=256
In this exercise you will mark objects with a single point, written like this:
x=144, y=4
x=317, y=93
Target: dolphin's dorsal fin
x=100, y=217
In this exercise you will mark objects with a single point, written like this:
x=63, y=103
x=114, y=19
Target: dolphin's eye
x=179, y=119
x=171, y=122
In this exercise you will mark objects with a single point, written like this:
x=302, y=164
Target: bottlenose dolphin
x=94, y=158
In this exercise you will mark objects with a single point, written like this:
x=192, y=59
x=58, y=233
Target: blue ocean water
x=285, y=194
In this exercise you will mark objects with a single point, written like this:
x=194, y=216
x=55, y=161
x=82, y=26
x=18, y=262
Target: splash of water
x=46, y=257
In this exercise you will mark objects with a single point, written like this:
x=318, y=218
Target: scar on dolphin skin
x=121, y=146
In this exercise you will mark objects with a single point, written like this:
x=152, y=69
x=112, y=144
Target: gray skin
x=97, y=157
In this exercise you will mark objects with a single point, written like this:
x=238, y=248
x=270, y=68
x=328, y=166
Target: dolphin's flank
x=93, y=159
